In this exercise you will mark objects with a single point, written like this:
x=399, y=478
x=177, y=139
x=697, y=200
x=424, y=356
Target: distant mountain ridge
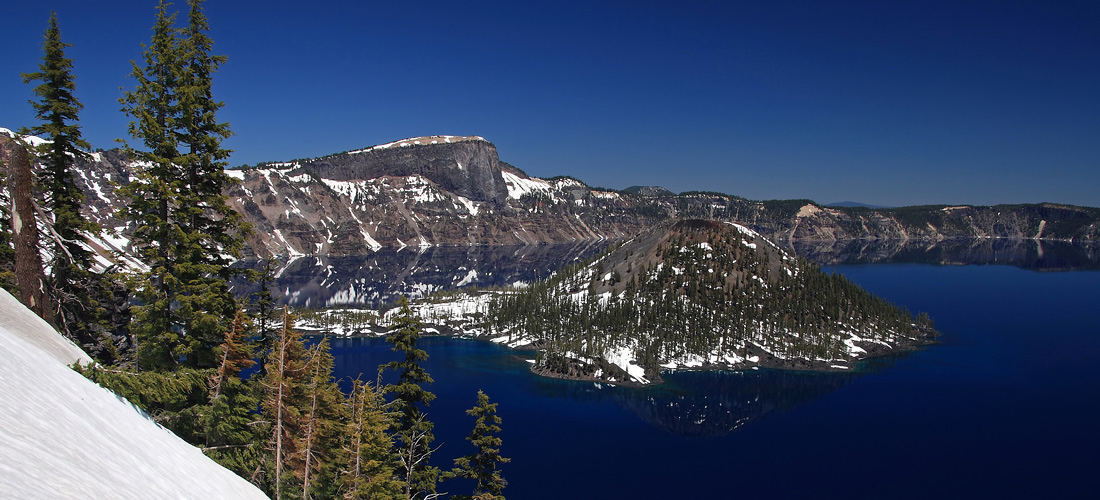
x=649, y=191
x=853, y=204
x=454, y=190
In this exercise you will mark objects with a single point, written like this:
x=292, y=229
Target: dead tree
x=29, y=276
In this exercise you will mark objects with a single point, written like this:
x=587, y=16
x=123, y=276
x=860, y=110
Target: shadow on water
x=1039, y=255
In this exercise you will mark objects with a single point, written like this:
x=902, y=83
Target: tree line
x=228, y=374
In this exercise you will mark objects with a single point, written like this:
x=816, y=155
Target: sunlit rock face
x=422, y=192
x=465, y=166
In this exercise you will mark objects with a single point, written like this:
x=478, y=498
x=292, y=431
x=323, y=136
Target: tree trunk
x=311, y=425
x=28, y=262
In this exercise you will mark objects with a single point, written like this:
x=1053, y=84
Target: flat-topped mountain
x=466, y=166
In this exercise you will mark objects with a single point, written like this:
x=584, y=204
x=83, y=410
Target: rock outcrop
x=466, y=166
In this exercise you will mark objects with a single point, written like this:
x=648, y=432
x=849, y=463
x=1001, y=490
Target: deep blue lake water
x=1007, y=406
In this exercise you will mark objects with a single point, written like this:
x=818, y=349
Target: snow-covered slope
x=62, y=436
x=18, y=321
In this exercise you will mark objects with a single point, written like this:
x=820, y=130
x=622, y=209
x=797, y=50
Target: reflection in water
x=708, y=403
x=1027, y=254
x=716, y=403
x=692, y=404
x=383, y=276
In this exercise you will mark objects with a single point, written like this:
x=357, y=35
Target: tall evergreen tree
x=57, y=108
x=482, y=465
x=212, y=232
x=263, y=307
x=413, y=429
x=153, y=195
x=185, y=230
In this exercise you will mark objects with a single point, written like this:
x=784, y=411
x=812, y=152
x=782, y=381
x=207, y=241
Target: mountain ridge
x=454, y=190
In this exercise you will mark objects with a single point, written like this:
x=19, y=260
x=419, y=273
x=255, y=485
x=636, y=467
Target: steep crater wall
x=468, y=167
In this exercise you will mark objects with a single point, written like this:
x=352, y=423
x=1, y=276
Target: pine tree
x=284, y=399
x=212, y=231
x=367, y=469
x=228, y=421
x=235, y=354
x=413, y=429
x=482, y=465
x=185, y=230
x=72, y=286
x=153, y=195
x=318, y=440
x=264, y=309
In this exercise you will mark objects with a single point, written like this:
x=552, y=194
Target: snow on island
x=63, y=436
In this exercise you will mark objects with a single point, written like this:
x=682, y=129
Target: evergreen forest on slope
x=700, y=292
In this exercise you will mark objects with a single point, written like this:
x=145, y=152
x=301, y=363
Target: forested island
x=700, y=293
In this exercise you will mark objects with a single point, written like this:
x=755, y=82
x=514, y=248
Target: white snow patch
x=469, y=278
x=518, y=186
x=32, y=140
x=853, y=349
x=470, y=205
x=624, y=358
x=65, y=437
x=371, y=242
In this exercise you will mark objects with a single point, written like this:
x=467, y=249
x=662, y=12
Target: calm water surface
x=1005, y=407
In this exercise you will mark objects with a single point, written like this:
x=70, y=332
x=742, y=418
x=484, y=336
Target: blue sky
x=888, y=103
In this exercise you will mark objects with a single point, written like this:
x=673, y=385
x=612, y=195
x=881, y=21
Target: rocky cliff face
x=466, y=166
x=448, y=190
x=454, y=193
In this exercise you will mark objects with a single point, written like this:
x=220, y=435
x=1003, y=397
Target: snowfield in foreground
x=63, y=436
